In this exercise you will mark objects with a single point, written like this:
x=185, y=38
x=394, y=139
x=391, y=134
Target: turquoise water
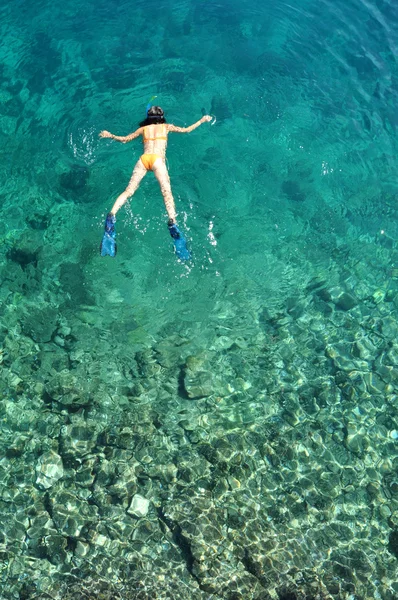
x=224, y=428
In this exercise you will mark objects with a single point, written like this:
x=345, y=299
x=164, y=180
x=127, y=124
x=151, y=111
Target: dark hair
x=154, y=116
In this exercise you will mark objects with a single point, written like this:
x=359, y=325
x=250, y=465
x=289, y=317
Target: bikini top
x=158, y=137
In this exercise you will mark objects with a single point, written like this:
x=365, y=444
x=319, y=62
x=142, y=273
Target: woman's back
x=155, y=138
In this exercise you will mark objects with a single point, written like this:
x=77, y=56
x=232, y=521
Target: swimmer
x=154, y=131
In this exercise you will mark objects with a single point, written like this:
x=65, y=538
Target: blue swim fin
x=108, y=245
x=180, y=243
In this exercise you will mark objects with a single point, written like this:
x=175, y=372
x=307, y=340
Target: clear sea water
x=249, y=395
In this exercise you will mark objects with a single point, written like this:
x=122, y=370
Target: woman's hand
x=105, y=134
x=206, y=118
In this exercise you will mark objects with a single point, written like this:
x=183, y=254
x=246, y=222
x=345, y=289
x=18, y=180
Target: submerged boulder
x=201, y=378
x=75, y=179
x=49, y=470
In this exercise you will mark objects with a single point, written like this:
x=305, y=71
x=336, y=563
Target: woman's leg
x=138, y=173
x=162, y=175
x=180, y=243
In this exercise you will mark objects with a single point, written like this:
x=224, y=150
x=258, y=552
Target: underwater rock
x=39, y=322
x=139, y=506
x=342, y=299
x=70, y=513
x=144, y=531
x=68, y=389
x=341, y=355
x=38, y=221
x=364, y=349
x=75, y=284
x=174, y=81
x=356, y=443
x=56, y=546
x=40, y=526
x=220, y=108
x=168, y=351
x=53, y=362
x=75, y=179
x=85, y=475
x=119, y=77
x=104, y=472
x=12, y=106
x=82, y=549
x=49, y=470
x=393, y=543
x=346, y=301
x=25, y=251
x=166, y=473
x=292, y=191
x=198, y=385
x=374, y=384
x=384, y=511
x=328, y=484
x=390, y=327
x=77, y=439
x=201, y=381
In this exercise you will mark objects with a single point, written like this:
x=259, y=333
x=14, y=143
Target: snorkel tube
x=148, y=106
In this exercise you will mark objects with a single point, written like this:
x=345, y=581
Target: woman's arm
x=176, y=129
x=121, y=138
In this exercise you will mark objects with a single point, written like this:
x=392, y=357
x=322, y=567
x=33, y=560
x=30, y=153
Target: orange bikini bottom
x=148, y=160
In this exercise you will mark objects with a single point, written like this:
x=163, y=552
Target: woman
x=154, y=131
